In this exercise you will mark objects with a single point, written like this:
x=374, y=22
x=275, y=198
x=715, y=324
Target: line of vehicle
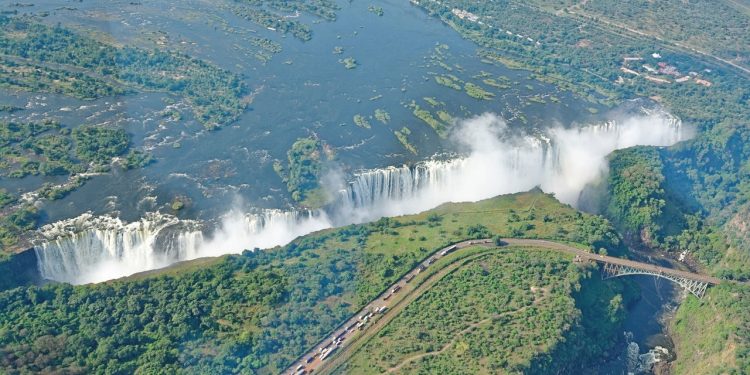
x=314, y=359
x=385, y=307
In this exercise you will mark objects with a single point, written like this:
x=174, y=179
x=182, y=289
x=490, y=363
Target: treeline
x=305, y=167
x=723, y=343
x=37, y=78
x=268, y=13
x=251, y=313
x=693, y=197
x=47, y=148
x=504, y=311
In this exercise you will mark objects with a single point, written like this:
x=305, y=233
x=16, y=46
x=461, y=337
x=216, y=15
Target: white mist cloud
x=239, y=232
x=498, y=161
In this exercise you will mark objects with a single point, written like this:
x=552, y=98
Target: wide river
x=305, y=90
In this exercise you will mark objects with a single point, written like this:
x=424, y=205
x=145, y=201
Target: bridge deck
x=614, y=260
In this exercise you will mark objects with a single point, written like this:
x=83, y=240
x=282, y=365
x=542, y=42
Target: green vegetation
x=432, y=101
x=376, y=10
x=717, y=27
x=693, y=198
x=35, y=148
x=47, y=148
x=722, y=347
x=178, y=203
x=637, y=197
x=449, y=81
x=55, y=192
x=6, y=198
x=440, y=128
x=14, y=223
x=402, y=136
x=504, y=310
x=257, y=311
x=477, y=92
x=215, y=94
x=272, y=14
x=585, y=54
x=382, y=116
x=38, y=78
x=445, y=117
x=96, y=144
x=138, y=159
x=499, y=82
x=361, y=121
x=539, y=100
x=349, y=63
x=306, y=166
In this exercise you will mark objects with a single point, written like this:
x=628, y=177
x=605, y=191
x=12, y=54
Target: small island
x=349, y=63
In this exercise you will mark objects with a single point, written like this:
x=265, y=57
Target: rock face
x=738, y=228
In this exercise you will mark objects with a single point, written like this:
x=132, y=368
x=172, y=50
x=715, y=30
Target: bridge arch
x=697, y=287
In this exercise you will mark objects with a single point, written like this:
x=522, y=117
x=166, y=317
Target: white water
x=637, y=363
x=496, y=161
x=89, y=249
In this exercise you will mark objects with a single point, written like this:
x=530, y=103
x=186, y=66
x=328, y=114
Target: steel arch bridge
x=695, y=286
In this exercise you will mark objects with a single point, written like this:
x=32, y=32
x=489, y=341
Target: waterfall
x=89, y=248
x=92, y=248
x=560, y=160
x=497, y=161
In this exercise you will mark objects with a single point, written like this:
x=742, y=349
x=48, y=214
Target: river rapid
x=121, y=222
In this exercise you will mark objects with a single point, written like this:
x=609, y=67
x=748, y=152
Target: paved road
x=341, y=337
x=378, y=312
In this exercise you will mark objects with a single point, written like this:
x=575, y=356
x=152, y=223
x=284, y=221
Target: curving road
x=337, y=347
